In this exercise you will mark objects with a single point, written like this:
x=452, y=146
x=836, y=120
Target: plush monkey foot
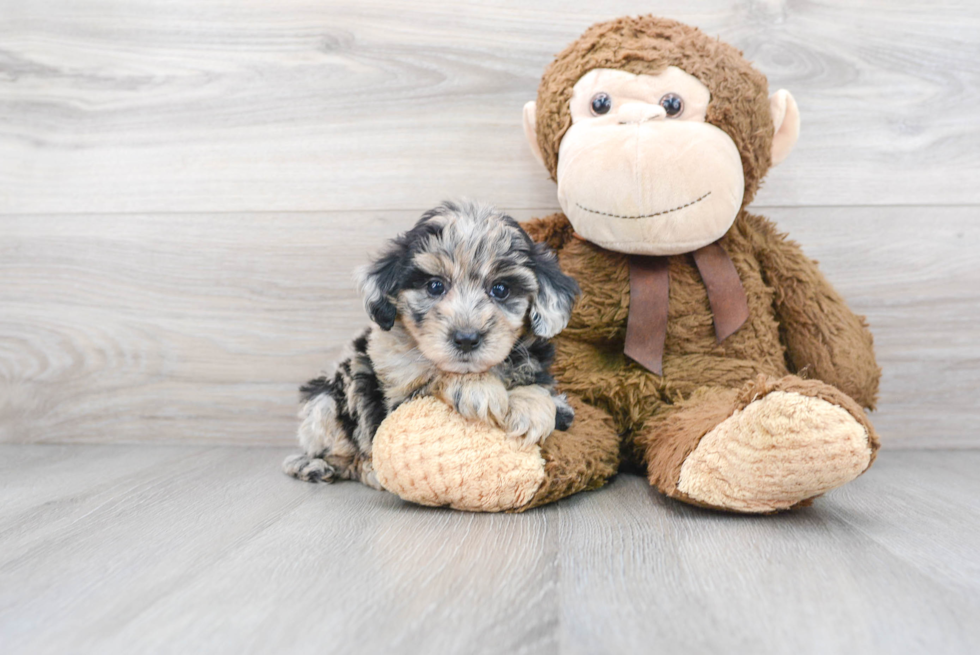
x=787, y=442
x=428, y=454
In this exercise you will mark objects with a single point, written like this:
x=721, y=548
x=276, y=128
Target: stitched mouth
x=660, y=213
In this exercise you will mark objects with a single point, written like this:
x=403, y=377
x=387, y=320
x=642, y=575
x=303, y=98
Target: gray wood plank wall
x=185, y=187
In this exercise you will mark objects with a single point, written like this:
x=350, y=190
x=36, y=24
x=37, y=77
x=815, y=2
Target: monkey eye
x=435, y=287
x=672, y=104
x=601, y=104
x=500, y=291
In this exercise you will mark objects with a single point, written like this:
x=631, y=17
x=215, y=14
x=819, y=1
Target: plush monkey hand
x=428, y=454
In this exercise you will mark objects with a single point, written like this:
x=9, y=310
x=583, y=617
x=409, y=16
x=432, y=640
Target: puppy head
x=463, y=282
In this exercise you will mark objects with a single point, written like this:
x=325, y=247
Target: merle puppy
x=463, y=305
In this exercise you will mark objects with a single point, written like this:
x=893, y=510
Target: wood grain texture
x=124, y=549
x=861, y=571
x=214, y=550
x=304, y=105
x=199, y=328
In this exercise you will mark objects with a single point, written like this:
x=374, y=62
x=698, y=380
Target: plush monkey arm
x=554, y=230
x=824, y=339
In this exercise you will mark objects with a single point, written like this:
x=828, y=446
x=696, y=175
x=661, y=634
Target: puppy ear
x=552, y=306
x=379, y=281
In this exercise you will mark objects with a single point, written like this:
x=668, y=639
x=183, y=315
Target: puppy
x=463, y=305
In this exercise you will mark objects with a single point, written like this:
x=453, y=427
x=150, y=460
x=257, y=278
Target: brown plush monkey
x=706, y=349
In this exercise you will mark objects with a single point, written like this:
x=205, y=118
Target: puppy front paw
x=565, y=412
x=481, y=397
x=532, y=414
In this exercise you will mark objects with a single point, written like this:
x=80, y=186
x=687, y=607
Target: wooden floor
x=183, y=549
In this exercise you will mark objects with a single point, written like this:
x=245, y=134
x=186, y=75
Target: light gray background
x=185, y=187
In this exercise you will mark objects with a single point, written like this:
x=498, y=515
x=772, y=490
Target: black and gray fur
x=463, y=306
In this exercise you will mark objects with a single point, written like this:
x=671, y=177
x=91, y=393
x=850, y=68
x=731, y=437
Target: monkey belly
x=589, y=358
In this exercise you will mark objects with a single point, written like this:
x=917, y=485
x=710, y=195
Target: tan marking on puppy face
x=464, y=283
x=458, y=270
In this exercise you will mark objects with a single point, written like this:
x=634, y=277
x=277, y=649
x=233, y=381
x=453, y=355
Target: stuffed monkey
x=706, y=349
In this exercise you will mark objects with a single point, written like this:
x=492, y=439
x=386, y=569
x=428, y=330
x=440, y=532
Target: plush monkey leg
x=772, y=445
x=428, y=454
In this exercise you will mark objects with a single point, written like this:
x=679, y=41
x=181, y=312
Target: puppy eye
x=435, y=287
x=500, y=291
x=672, y=104
x=601, y=104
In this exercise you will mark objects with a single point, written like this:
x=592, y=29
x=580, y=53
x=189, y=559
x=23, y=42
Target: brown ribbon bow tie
x=646, y=327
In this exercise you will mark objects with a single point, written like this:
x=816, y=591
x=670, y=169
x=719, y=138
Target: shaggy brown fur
x=798, y=325
x=582, y=459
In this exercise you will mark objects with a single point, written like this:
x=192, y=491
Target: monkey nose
x=639, y=112
x=466, y=340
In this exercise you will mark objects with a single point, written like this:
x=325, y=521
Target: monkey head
x=656, y=134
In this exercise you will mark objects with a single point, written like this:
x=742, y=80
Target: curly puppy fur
x=463, y=304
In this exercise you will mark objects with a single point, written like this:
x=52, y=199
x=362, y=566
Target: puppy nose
x=465, y=340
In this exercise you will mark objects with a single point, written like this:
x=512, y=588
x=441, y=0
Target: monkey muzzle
x=649, y=186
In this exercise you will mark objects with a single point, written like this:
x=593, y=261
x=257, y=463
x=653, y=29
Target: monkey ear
x=378, y=282
x=785, y=122
x=552, y=306
x=531, y=130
